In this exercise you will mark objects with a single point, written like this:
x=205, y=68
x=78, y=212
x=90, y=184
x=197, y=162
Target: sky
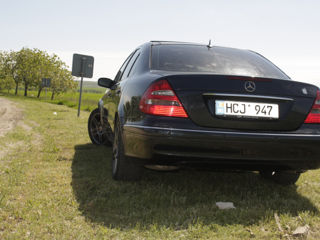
x=287, y=32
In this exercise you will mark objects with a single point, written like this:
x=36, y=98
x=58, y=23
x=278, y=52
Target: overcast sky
x=286, y=32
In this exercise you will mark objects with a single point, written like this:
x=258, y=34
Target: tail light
x=314, y=115
x=160, y=99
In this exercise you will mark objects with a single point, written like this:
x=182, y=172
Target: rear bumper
x=227, y=149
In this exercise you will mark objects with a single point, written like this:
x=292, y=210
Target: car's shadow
x=175, y=199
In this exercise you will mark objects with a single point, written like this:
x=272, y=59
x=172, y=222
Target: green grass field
x=55, y=184
x=90, y=96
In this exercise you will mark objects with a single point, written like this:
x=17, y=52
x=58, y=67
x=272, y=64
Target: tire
x=281, y=177
x=124, y=168
x=100, y=134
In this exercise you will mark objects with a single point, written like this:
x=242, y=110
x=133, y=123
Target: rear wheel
x=123, y=167
x=99, y=133
x=281, y=177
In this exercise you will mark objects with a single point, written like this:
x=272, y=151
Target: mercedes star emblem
x=250, y=86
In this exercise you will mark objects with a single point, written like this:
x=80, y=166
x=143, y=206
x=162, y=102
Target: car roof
x=158, y=42
x=154, y=42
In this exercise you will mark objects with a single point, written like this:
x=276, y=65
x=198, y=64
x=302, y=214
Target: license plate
x=247, y=109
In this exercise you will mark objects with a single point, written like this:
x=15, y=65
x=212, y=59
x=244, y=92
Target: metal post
x=80, y=96
x=82, y=72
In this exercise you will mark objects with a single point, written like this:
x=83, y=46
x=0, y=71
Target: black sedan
x=176, y=104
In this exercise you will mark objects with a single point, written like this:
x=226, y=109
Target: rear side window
x=216, y=60
x=130, y=64
x=120, y=72
x=133, y=69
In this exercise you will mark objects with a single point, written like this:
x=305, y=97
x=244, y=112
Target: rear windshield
x=216, y=60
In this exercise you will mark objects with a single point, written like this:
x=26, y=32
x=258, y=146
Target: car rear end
x=226, y=107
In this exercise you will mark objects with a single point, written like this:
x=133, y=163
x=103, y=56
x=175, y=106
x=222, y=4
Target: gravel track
x=10, y=115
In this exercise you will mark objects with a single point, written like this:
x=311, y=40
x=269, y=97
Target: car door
x=121, y=91
x=112, y=96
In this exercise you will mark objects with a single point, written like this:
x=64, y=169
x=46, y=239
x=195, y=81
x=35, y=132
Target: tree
x=2, y=73
x=6, y=80
x=7, y=83
x=29, y=66
x=10, y=68
x=61, y=78
x=44, y=68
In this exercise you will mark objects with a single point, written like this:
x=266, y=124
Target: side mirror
x=105, y=82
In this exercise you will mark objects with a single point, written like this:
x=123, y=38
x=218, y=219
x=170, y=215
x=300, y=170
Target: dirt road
x=9, y=116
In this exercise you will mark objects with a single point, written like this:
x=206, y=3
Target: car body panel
x=199, y=100
x=253, y=150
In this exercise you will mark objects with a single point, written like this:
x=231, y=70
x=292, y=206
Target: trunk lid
x=199, y=93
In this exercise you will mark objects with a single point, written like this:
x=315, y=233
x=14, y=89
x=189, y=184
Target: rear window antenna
x=209, y=44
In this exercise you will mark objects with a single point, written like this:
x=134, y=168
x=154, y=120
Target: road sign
x=46, y=82
x=82, y=66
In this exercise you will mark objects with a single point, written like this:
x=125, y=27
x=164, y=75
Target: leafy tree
x=7, y=83
x=28, y=61
x=10, y=68
x=29, y=66
x=2, y=74
x=61, y=78
x=45, y=67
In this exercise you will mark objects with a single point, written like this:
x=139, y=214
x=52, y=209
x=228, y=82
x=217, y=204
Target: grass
x=55, y=184
x=90, y=96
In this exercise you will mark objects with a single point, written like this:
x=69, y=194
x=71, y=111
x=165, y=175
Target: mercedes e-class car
x=175, y=104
